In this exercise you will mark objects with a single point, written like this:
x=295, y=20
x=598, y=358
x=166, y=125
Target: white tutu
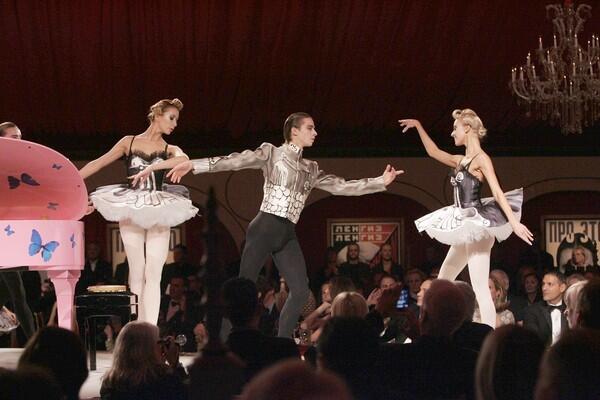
x=144, y=208
x=454, y=225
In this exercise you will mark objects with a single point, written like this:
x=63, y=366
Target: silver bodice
x=289, y=178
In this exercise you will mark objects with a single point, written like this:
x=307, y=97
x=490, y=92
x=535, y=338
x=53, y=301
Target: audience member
x=340, y=284
x=413, y=278
x=242, y=308
x=139, y=370
x=175, y=316
x=348, y=346
x=295, y=380
x=61, y=352
x=569, y=370
x=96, y=270
x=572, y=300
x=546, y=318
x=349, y=304
x=29, y=383
x=573, y=278
x=470, y=335
x=179, y=267
x=499, y=295
x=531, y=294
x=387, y=263
x=432, y=366
x=508, y=365
x=589, y=305
x=357, y=271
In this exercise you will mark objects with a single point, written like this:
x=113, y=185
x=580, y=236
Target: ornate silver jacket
x=289, y=178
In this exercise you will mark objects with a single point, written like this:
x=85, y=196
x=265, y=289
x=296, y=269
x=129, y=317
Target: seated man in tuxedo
x=242, y=308
x=547, y=318
x=176, y=315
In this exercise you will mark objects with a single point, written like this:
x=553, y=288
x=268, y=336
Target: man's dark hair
x=559, y=275
x=589, y=306
x=293, y=121
x=5, y=125
x=240, y=300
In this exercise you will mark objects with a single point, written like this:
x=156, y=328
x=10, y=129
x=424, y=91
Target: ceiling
x=79, y=75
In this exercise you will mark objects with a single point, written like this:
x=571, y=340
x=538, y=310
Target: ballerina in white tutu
x=472, y=224
x=145, y=209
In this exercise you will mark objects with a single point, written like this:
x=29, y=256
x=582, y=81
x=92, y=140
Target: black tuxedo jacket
x=537, y=318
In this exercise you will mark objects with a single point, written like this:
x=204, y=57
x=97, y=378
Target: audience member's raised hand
x=387, y=300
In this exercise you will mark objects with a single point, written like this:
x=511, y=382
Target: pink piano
x=42, y=198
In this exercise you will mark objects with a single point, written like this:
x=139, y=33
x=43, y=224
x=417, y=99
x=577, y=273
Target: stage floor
x=91, y=387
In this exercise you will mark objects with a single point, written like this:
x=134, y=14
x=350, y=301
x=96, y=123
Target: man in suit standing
x=547, y=318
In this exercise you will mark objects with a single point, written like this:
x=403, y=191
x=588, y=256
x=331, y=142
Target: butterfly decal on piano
x=52, y=206
x=36, y=246
x=9, y=231
x=72, y=239
x=14, y=182
x=56, y=166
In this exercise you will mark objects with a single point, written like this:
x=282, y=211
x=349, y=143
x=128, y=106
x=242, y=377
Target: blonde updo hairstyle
x=469, y=117
x=161, y=106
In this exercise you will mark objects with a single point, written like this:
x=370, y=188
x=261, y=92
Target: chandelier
x=561, y=83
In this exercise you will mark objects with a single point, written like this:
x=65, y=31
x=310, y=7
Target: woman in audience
x=61, y=352
x=508, y=364
x=503, y=315
x=349, y=304
x=139, y=371
x=572, y=298
x=472, y=224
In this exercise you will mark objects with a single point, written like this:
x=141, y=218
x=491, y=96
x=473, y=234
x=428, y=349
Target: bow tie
x=560, y=308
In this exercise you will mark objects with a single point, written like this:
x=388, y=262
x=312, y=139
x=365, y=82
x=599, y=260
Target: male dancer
x=11, y=284
x=289, y=178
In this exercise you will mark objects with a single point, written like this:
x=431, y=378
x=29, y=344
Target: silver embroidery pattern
x=281, y=201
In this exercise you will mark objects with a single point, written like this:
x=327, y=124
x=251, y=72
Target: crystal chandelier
x=561, y=83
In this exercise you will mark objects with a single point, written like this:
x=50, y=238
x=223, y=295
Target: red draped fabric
x=90, y=69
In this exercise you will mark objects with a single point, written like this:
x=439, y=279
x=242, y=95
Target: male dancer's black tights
x=267, y=235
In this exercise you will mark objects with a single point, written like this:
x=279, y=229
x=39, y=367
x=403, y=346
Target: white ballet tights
x=477, y=256
x=145, y=265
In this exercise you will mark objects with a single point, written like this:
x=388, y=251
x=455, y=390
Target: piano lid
x=37, y=182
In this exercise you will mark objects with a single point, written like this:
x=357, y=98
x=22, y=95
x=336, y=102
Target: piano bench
x=95, y=305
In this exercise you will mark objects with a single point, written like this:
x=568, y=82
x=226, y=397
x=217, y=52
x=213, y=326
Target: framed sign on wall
x=370, y=234
x=115, y=247
x=562, y=233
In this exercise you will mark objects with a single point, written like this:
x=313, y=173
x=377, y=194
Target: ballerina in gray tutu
x=472, y=224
